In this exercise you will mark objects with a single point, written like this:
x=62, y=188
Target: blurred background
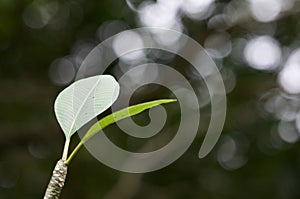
x=255, y=44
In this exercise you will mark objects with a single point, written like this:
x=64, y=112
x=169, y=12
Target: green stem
x=73, y=153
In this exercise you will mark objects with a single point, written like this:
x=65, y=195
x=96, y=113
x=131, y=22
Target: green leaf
x=83, y=100
x=119, y=115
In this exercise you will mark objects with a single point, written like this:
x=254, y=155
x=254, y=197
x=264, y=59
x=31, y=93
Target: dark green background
x=31, y=140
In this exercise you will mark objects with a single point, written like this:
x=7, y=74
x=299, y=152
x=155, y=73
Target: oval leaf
x=83, y=100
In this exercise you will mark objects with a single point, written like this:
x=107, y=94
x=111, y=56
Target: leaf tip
x=170, y=100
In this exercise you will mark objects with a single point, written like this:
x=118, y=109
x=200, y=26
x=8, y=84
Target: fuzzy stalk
x=57, y=180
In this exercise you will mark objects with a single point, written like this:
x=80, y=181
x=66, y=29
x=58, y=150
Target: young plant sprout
x=75, y=106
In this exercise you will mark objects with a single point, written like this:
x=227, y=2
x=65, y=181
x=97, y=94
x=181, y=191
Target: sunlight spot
x=197, y=9
x=289, y=76
x=157, y=15
x=228, y=156
x=263, y=53
x=62, y=71
x=128, y=46
x=265, y=10
x=37, y=15
x=288, y=132
x=218, y=45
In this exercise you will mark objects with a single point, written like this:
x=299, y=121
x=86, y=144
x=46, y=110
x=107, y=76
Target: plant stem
x=57, y=180
x=66, y=148
x=73, y=153
x=59, y=175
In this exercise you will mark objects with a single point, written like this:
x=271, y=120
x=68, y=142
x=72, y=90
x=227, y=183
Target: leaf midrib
x=79, y=110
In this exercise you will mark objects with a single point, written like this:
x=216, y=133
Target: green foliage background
x=31, y=140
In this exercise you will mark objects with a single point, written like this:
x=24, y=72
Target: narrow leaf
x=83, y=100
x=122, y=114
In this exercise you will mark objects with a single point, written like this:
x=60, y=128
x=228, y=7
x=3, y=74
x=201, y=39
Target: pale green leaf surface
x=122, y=114
x=83, y=100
